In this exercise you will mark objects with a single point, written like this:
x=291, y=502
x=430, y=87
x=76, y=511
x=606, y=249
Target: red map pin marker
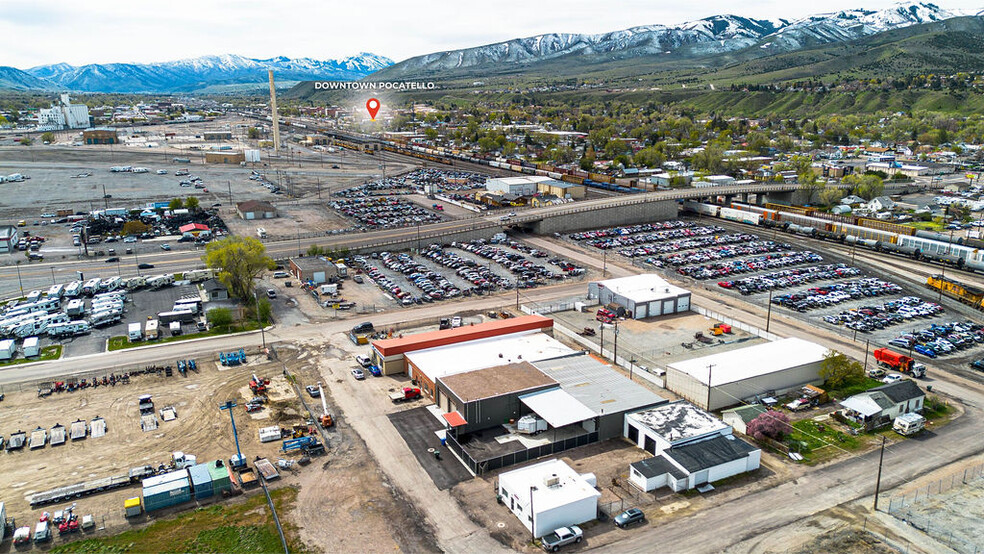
x=373, y=107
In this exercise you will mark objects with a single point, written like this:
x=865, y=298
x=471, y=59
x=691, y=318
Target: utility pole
x=768, y=316
x=881, y=458
x=709, y=368
x=615, y=353
x=517, y=294
x=867, y=343
x=258, y=320
x=105, y=198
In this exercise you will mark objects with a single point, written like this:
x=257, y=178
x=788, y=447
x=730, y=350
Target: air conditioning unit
x=552, y=480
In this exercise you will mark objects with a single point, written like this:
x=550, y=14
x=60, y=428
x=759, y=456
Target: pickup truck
x=561, y=537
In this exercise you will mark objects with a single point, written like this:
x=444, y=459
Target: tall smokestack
x=273, y=114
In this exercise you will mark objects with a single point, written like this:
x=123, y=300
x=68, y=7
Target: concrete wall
x=606, y=217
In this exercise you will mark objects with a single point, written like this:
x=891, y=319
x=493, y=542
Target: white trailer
x=56, y=291
x=189, y=306
x=134, y=331
x=151, y=329
x=136, y=282
x=75, y=307
x=34, y=296
x=7, y=349
x=32, y=347
x=70, y=329
x=105, y=318
x=91, y=286
x=73, y=289
x=198, y=275
x=175, y=327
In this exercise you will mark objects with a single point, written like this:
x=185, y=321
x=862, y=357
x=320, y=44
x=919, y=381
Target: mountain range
x=187, y=75
x=712, y=36
x=654, y=53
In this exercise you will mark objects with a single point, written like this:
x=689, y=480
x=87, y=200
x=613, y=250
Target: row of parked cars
x=836, y=293
x=870, y=318
x=942, y=338
x=384, y=212
x=694, y=243
x=677, y=232
x=480, y=276
x=771, y=260
x=791, y=277
x=527, y=272
x=626, y=230
x=431, y=283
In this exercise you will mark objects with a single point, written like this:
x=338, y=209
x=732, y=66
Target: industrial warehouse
x=641, y=296
x=750, y=373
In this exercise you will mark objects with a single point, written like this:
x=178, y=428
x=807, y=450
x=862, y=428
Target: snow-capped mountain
x=196, y=73
x=711, y=35
x=853, y=24
x=12, y=78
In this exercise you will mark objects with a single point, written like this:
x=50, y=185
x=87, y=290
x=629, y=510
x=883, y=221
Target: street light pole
x=21, y=283
x=615, y=353
x=258, y=321
x=768, y=316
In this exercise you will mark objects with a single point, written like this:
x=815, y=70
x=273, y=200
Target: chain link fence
x=931, y=509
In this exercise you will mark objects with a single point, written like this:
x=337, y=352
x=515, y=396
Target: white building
x=715, y=181
x=522, y=186
x=690, y=447
x=549, y=495
x=64, y=115
x=881, y=405
x=645, y=295
x=768, y=369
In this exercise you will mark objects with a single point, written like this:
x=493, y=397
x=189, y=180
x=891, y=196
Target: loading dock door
x=683, y=304
x=650, y=446
x=633, y=434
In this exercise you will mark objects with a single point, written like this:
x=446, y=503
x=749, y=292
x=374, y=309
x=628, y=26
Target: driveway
x=418, y=427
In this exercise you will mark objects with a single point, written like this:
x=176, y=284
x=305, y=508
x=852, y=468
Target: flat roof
x=557, y=407
x=753, y=361
x=678, y=421
x=571, y=487
x=645, y=287
x=598, y=386
x=530, y=346
x=525, y=180
x=496, y=381
x=311, y=263
x=496, y=327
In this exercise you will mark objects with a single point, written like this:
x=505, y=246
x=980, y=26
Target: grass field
x=854, y=388
x=240, y=527
x=820, y=441
x=52, y=352
x=121, y=342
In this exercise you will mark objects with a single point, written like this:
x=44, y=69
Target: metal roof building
x=645, y=295
x=768, y=369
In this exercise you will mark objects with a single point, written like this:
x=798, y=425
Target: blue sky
x=38, y=32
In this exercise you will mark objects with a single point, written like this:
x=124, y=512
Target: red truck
x=899, y=362
x=405, y=394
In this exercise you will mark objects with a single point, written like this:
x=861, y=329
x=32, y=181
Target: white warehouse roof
x=521, y=180
x=570, y=486
x=754, y=361
x=528, y=346
x=646, y=287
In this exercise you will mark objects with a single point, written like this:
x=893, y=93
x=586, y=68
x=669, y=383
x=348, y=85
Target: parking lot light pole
x=867, y=343
x=21, y=283
x=768, y=316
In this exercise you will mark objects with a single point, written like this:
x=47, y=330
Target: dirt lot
x=364, y=509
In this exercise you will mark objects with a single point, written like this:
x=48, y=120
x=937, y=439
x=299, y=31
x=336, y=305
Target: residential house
x=881, y=405
x=881, y=204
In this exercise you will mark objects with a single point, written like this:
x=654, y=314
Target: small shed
x=32, y=347
x=256, y=209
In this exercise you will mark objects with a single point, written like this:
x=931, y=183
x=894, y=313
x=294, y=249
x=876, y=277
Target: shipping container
x=221, y=478
x=168, y=494
x=168, y=477
x=201, y=481
x=132, y=506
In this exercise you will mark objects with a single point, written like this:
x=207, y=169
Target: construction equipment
x=300, y=443
x=237, y=461
x=326, y=420
x=720, y=329
x=257, y=385
x=405, y=394
x=180, y=460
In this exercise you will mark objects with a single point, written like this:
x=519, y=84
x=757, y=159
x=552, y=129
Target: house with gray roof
x=881, y=405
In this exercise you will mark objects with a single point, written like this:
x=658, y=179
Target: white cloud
x=101, y=31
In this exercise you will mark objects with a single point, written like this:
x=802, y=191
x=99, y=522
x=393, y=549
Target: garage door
x=641, y=311
x=668, y=307
x=701, y=477
x=633, y=434
x=650, y=446
x=683, y=304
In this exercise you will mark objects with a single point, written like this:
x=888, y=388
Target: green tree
x=135, y=227
x=25, y=141
x=265, y=310
x=810, y=184
x=253, y=133
x=866, y=186
x=192, y=203
x=710, y=159
x=175, y=204
x=839, y=371
x=237, y=261
x=48, y=137
x=218, y=317
x=830, y=196
x=430, y=133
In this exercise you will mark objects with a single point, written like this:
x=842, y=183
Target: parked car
x=893, y=378
x=978, y=364
x=358, y=373
x=165, y=246
x=561, y=537
x=313, y=391
x=364, y=361
x=628, y=517
x=271, y=293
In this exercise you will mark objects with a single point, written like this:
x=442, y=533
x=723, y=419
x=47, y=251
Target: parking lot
x=795, y=280
x=442, y=272
x=139, y=307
